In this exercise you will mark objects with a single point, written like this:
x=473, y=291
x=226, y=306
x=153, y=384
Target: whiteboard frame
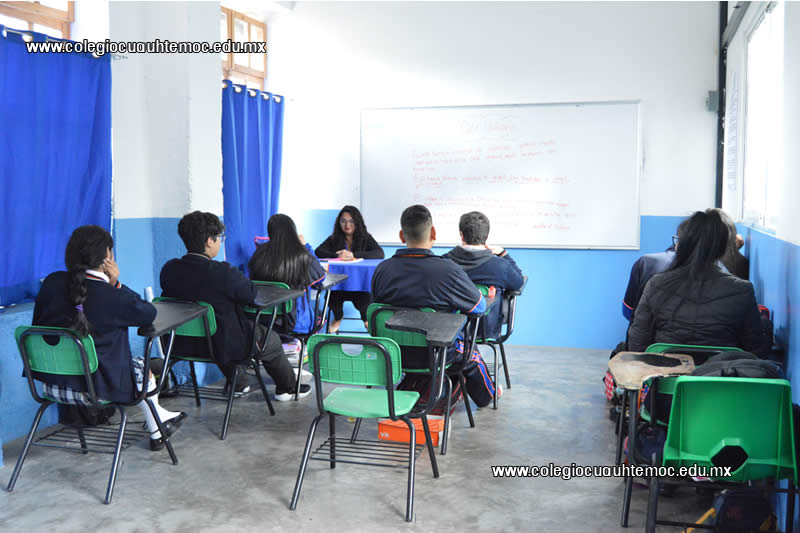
x=638, y=177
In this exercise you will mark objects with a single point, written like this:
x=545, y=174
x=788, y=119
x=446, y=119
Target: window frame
x=36, y=13
x=229, y=66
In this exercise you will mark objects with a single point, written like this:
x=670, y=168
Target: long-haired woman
x=349, y=240
x=695, y=301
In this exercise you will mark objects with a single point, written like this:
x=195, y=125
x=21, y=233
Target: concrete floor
x=555, y=412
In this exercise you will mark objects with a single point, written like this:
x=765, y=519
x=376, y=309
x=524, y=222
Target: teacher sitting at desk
x=349, y=240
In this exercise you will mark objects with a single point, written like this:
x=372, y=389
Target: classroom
x=586, y=131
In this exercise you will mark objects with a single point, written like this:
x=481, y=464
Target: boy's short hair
x=196, y=227
x=475, y=227
x=416, y=222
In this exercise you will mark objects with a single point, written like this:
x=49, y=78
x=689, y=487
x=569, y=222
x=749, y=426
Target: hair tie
x=79, y=308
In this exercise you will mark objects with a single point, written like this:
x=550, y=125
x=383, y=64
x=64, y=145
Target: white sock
x=163, y=413
x=149, y=421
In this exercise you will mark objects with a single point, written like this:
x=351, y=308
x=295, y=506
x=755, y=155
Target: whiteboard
x=546, y=175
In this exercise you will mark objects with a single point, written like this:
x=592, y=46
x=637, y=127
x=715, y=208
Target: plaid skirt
x=66, y=395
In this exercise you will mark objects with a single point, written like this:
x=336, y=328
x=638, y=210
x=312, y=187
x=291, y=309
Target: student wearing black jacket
x=485, y=265
x=196, y=276
x=695, y=301
x=90, y=299
x=349, y=240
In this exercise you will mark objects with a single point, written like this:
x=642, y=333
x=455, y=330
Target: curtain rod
x=252, y=92
x=28, y=37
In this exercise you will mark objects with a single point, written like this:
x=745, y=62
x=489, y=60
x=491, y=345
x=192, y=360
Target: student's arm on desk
x=238, y=288
x=513, y=278
x=316, y=274
x=462, y=293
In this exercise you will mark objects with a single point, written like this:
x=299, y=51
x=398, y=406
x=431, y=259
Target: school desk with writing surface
x=630, y=370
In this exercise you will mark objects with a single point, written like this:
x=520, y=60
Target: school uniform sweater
x=485, y=268
x=110, y=310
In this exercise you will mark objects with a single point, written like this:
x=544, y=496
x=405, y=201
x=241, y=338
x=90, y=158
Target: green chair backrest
x=403, y=338
x=61, y=358
x=484, y=291
x=195, y=328
x=741, y=422
x=281, y=309
x=347, y=362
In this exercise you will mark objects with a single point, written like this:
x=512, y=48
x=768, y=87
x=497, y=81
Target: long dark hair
x=86, y=249
x=702, y=241
x=283, y=258
x=360, y=233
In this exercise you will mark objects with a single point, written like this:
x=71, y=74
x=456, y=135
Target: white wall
x=333, y=59
x=166, y=111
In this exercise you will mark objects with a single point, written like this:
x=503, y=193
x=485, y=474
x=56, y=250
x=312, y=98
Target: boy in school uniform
x=416, y=277
x=484, y=264
x=196, y=276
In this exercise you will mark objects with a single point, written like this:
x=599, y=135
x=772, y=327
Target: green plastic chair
x=362, y=362
x=377, y=315
x=205, y=327
x=63, y=352
x=742, y=423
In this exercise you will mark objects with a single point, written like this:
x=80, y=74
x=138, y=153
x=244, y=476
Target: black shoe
x=242, y=387
x=171, y=426
x=286, y=395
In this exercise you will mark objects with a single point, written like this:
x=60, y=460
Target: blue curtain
x=252, y=144
x=55, y=157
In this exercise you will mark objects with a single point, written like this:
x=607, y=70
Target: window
x=246, y=69
x=763, y=158
x=51, y=17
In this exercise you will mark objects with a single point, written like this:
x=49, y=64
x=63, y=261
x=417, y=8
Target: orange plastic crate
x=398, y=431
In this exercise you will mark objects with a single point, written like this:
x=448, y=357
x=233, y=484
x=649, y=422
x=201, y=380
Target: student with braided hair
x=89, y=299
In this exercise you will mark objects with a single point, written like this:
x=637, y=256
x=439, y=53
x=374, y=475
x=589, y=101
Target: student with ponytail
x=90, y=299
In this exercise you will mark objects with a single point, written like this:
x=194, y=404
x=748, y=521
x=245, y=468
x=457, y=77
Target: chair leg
x=412, y=454
x=494, y=377
x=112, y=478
x=82, y=438
x=505, y=365
x=356, y=429
x=298, y=485
x=790, y=496
x=429, y=445
x=263, y=386
x=463, y=381
x=652, y=505
x=194, y=384
x=231, y=394
x=299, y=370
x=626, y=501
x=27, y=446
x=332, y=424
x=446, y=414
x=621, y=428
x=162, y=430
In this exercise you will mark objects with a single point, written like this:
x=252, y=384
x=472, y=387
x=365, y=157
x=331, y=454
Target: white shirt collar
x=97, y=274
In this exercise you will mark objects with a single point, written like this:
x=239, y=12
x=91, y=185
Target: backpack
x=78, y=415
x=767, y=326
x=739, y=510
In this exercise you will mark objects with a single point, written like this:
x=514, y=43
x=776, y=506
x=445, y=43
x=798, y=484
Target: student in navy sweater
x=416, y=277
x=89, y=299
x=349, y=240
x=196, y=276
x=484, y=264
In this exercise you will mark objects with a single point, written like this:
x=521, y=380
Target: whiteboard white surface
x=546, y=175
